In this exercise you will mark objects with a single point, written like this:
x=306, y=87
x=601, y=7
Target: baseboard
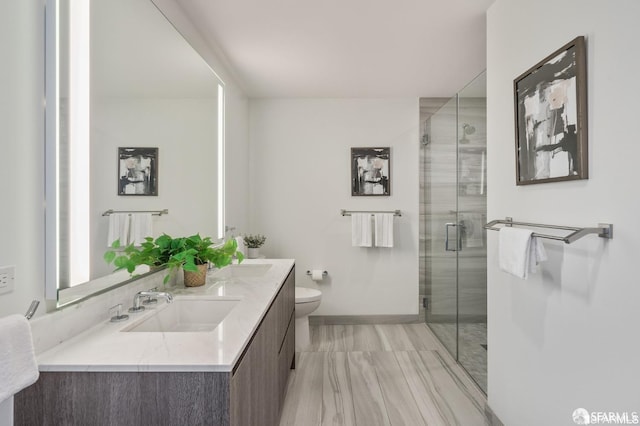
x=462, y=318
x=363, y=319
x=491, y=416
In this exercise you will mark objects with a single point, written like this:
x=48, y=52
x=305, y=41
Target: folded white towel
x=18, y=366
x=361, y=229
x=519, y=252
x=384, y=229
x=118, y=228
x=140, y=228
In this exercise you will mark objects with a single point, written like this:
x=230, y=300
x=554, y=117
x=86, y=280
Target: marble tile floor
x=471, y=352
x=367, y=375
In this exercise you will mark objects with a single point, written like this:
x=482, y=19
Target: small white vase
x=253, y=253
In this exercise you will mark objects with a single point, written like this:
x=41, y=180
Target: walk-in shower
x=453, y=273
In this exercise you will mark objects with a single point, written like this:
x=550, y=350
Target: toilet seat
x=305, y=295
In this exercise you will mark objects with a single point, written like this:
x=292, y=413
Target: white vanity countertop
x=106, y=348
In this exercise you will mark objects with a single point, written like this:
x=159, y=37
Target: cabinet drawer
x=285, y=304
x=285, y=358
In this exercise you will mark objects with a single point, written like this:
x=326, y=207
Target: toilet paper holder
x=324, y=273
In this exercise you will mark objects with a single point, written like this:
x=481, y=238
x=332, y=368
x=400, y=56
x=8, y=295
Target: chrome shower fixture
x=467, y=129
x=424, y=141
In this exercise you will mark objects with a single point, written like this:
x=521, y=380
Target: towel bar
x=153, y=212
x=344, y=212
x=604, y=230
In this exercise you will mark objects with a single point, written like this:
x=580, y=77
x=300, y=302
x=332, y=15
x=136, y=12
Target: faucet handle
x=118, y=317
x=150, y=300
x=137, y=307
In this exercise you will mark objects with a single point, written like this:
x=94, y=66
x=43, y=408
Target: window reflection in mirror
x=125, y=78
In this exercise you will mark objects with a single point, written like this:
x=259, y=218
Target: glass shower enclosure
x=454, y=195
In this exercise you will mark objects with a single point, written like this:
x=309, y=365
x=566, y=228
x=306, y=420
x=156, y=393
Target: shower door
x=455, y=207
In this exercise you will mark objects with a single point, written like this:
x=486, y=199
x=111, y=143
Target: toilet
x=307, y=301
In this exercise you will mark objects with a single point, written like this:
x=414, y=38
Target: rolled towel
x=18, y=366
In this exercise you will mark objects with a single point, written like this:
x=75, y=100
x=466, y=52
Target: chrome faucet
x=141, y=294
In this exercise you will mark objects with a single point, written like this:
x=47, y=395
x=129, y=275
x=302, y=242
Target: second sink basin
x=186, y=315
x=244, y=270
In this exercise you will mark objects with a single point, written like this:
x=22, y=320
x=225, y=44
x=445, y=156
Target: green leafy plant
x=174, y=253
x=254, y=241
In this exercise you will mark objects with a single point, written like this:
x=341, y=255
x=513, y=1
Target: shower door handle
x=446, y=237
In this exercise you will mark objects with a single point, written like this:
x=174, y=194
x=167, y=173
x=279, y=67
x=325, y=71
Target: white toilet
x=307, y=301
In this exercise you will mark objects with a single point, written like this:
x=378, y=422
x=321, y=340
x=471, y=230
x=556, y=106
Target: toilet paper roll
x=316, y=275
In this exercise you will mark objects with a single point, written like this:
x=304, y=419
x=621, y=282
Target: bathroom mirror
x=120, y=77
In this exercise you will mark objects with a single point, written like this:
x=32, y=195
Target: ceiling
x=346, y=48
x=145, y=58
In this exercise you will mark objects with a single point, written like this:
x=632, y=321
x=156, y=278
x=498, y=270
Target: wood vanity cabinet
x=260, y=378
x=251, y=395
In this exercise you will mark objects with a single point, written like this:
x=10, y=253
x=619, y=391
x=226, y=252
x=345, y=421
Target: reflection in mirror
x=125, y=78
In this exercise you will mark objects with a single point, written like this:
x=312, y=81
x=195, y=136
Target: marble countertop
x=105, y=347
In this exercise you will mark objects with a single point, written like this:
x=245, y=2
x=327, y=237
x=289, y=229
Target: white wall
x=22, y=148
x=300, y=179
x=22, y=151
x=567, y=337
x=21, y=157
x=236, y=117
x=185, y=132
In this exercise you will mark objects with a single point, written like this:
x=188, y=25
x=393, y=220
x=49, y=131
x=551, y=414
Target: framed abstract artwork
x=137, y=171
x=370, y=171
x=551, y=118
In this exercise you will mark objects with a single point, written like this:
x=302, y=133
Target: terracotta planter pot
x=196, y=279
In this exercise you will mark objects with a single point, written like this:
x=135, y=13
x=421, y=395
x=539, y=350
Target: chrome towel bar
x=153, y=212
x=604, y=230
x=344, y=212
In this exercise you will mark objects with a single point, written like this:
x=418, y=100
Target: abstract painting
x=551, y=118
x=137, y=171
x=370, y=171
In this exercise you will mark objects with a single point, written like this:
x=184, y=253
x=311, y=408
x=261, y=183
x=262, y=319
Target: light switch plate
x=7, y=279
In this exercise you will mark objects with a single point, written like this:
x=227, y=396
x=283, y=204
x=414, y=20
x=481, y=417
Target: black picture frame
x=137, y=171
x=551, y=118
x=371, y=172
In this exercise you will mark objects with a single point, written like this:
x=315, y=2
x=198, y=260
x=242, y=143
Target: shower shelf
x=604, y=230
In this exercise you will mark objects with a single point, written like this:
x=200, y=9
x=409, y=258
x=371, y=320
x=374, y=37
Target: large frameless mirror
x=134, y=123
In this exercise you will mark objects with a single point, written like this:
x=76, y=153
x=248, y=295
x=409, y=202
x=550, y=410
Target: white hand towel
x=519, y=252
x=18, y=366
x=118, y=229
x=141, y=227
x=384, y=229
x=361, y=229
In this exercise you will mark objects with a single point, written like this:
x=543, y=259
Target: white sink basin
x=244, y=270
x=186, y=315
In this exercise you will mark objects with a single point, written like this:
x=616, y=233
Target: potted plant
x=154, y=253
x=192, y=254
x=253, y=243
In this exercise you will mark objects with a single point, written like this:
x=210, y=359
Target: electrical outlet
x=7, y=279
